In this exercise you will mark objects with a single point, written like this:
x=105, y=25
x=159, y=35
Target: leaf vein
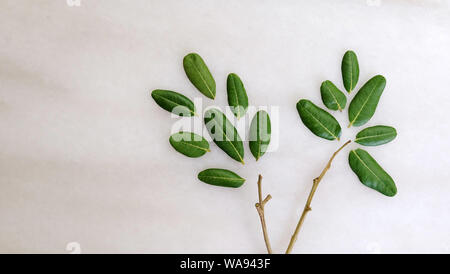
x=374, y=136
x=189, y=144
x=226, y=137
x=203, y=79
x=357, y=156
x=360, y=110
x=173, y=102
x=321, y=124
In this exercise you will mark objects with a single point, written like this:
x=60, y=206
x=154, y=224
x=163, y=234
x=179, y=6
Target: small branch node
x=266, y=199
x=260, y=209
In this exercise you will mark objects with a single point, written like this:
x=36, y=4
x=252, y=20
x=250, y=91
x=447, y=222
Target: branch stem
x=260, y=208
x=307, y=208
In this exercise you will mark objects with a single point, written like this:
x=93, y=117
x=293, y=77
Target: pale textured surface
x=85, y=156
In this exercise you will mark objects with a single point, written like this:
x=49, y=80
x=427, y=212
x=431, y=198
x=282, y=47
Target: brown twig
x=260, y=208
x=307, y=208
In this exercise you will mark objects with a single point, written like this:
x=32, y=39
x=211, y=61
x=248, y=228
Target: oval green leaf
x=332, y=97
x=224, y=134
x=260, y=131
x=370, y=173
x=189, y=144
x=375, y=136
x=237, y=96
x=365, y=102
x=199, y=75
x=350, y=70
x=318, y=120
x=174, y=102
x=221, y=177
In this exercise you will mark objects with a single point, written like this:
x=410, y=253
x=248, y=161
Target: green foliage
x=221, y=177
x=224, y=134
x=222, y=131
x=376, y=135
x=350, y=70
x=318, y=120
x=189, y=144
x=174, y=102
x=365, y=102
x=199, y=75
x=370, y=173
x=332, y=97
x=260, y=131
x=237, y=96
x=361, y=109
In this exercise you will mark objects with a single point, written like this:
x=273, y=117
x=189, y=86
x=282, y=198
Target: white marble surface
x=84, y=153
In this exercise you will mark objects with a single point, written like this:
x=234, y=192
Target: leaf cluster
x=221, y=130
x=362, y=107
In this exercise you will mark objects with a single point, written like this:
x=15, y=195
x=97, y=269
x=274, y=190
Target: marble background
x=85, y=163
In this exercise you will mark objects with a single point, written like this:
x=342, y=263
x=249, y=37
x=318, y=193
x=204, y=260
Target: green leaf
x=332, y=97
x=370, y=173
x=237, y=96
x=260, y=131
x=375, y=136
x=224, y=134
x=350, y=70
x=189, y=144
x=174, y=102
x=365, y=102
x=319, y=121
x=199, y=75
x=220, y=177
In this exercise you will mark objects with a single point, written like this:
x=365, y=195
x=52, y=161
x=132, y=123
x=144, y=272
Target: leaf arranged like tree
x=237, y=96
x=318, y=120
x=189, y=144
x=365, y=102
x=376, y=135
x=350, y=70
x=221, y=177
x=332, y=97
x=224, y=134
x=370, y=173
x=260, y=131
x=199, y=75
x=174, y=102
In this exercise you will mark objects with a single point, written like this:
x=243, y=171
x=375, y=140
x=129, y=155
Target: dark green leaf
x=332, y=97
x=199, y=75
x=224, y=134
x=320, y=122
x=220, y=177
x=189, y=144
x=364, y=104
x=260, y=131
x=370, y=173
x=174, y=102
x=237, y=96
x=350, y=70
x=375, y=136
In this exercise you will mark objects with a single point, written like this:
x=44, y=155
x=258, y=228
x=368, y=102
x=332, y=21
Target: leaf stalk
x=307, y=207
x=260, y=208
